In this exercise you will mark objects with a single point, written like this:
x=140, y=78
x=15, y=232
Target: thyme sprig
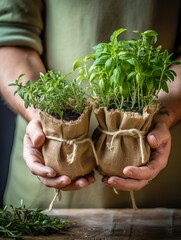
x=52, y=93
x=19, y=221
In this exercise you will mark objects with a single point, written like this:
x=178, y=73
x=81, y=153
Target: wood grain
x=118, y=224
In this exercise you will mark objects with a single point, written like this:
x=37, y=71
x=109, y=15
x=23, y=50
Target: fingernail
x=63, y=182
x=38, y=140
x=128, y=172
x=114, y=183
x=83, y=184
x=155, y=140
x=51, y=174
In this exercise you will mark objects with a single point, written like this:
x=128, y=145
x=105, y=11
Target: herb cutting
x=16, y=222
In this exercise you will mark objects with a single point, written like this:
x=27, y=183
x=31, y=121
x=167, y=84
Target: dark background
x=7, y=127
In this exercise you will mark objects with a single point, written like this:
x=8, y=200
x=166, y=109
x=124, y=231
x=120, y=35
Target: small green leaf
x=92, y=77
x=26, y=104
x=170, y=75
x=164, y=87
x=101, y=61
x=90, y=56
x=150, y=33
x=109, y=63
x=115, y=78
x=131, y=75
x=12, y=84
x=124, y=90
x=77, y=63
x=101, y=84
x=139, y=79
x=149, y=84
x=115, y=34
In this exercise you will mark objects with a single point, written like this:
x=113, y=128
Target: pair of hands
x=159, y=140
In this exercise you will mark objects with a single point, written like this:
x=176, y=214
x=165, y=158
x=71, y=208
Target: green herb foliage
x=51, y=93
x=21, y=221
x=124, y=73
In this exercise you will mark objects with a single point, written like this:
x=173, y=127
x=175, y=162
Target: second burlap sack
x=120, y=139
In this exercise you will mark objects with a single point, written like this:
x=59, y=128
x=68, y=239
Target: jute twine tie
x=133, y=132
x=75, y=143
x=58, y=196
x=71, y=157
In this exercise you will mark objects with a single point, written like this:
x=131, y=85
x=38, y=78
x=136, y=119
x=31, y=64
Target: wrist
x=166, y=116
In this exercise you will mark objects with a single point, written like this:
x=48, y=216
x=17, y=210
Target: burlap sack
x=120, y=139
x=68, y=149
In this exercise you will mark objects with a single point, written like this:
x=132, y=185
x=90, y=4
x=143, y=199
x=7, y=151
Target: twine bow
x=75, y=142
x=130, y=132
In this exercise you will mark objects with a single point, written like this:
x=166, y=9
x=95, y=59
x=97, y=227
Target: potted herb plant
x=65, y=115
x=125, y=77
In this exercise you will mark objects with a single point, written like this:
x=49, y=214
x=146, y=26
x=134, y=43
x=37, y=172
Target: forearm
x=13, y=62
x=170, y=112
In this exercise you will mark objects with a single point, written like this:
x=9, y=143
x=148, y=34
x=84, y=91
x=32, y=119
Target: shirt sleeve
x=21, y=23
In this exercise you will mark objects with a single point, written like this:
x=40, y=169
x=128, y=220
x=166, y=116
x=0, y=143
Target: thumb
x=35, y=132
x=160, y=135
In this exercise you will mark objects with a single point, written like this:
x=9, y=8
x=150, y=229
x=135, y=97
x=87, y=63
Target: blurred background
x=7, y=127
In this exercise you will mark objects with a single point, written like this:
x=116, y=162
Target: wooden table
x=119, y=224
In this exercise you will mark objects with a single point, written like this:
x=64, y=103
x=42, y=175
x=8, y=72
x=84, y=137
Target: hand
x=33, y=141
x=159, y=140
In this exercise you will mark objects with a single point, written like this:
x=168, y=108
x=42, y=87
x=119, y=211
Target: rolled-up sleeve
x=21, y=23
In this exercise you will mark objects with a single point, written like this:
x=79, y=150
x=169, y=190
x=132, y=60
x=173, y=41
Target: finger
x=90, y=177
x=76, y=185
x=159, y=136
x=122, y=184
x=64, y=183
x=57, y=182
x=34, y=160
x=149, y=171
x=80, y=183
x=35, y=132
x=160, y=141
x=142, y=173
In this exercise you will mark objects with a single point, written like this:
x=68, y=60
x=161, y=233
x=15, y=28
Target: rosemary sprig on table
x=16, y=222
